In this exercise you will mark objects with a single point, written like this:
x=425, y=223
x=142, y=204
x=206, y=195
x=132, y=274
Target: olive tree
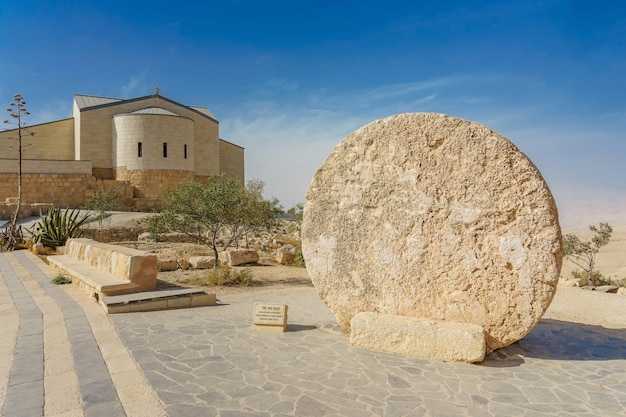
x=216, y=213
x=257, y=214
x=583, y=254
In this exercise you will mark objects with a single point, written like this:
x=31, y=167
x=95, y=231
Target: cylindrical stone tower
x=153, y=149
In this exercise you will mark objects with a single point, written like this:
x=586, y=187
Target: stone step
x=165, y=299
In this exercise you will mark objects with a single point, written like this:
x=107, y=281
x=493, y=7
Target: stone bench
x=106, y=270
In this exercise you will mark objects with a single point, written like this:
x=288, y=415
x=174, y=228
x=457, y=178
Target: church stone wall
x=65, y=190
x=96, y=131
x=153, y=131
x=53, y=140
x=231, y=160
x=152, y=184
x=207, y=151
x=67, y=161
x=44, y=183
x=40, y=166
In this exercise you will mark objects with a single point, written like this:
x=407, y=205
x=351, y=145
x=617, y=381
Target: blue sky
x=289, y=79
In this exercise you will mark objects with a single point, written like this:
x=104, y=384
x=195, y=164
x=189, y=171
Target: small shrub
x=618, y=282
x=588, y=280
x=226, y=277
x=57, y=226
x=157, y=225
x=103, y=201
x=583, y=254
x=298, y=260
x=11, y=237
x=60, y=280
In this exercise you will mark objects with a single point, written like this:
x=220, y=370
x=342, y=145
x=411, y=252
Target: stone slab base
x=418, y=337
x=157, y=300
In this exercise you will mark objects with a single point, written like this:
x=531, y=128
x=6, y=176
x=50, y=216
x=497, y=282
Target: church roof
x=203, y=110
x=91, y=101
x=154, y=110
x=85, y=102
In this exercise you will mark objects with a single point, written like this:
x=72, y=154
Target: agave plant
x=57, y=226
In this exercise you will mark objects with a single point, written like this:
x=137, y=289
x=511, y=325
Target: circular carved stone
x=432, y=216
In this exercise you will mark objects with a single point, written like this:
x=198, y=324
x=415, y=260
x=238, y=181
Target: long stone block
x=238, y=257
x=418, y=337
x=123, y=263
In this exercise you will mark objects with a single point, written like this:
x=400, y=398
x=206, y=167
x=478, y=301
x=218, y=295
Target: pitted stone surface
x=418, y=337
x=432, y=216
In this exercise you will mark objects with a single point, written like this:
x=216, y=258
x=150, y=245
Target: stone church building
x=141, y=147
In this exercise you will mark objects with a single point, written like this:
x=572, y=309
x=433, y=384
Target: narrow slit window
x=164, y=149
x=139, y=150
x=185, y=151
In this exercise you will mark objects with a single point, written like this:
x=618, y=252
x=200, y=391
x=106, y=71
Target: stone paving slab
x=25, y=388
x=210, y=362
x=57, y=362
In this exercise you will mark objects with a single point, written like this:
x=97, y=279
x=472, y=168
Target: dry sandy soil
x=573, y=305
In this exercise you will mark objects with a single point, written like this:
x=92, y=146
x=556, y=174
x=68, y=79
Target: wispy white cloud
x=283, y=84
x=129, y=89
x=49, y=112
x=286, y=143
x=55, y=110
x=391, y=94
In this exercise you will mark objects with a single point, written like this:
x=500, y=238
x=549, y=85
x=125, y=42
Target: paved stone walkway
x=61, y=355
x=208, y=361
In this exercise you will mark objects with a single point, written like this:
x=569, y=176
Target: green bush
x=298, y=260
x=60, y=280
x=103, y=201
x=157, y=225
x=57, y=226
x=586, y=279
x=225, y=276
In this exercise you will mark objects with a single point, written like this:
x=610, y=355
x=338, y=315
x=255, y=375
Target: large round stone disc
x=433, y=216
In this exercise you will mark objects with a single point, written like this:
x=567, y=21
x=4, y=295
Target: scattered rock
x=168, y=237
x=38, y=249
x=201, y=262
x=184, y=263
x=167, y=265
x=571, y=282
x=607, y=288
x=238, y=257
x=285, y=254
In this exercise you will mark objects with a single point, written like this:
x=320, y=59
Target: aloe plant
x=57, y=226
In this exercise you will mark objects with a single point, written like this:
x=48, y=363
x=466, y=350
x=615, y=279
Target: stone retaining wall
x=152, y=183
x=58, y=189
